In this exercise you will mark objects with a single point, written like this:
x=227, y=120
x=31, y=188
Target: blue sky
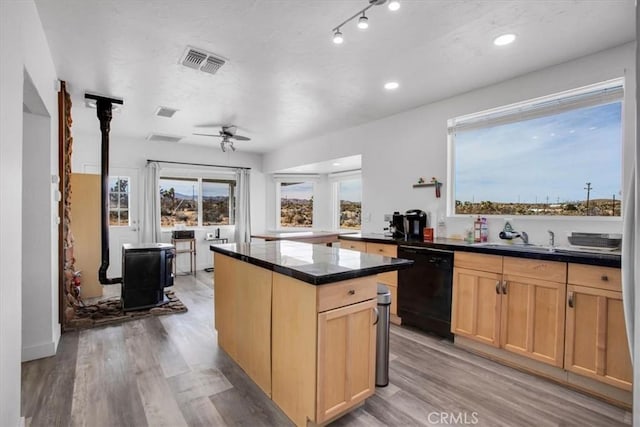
x=350, y=190
x=551, y=156
x=191, y=187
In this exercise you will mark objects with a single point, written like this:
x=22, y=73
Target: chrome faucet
x=552, y=240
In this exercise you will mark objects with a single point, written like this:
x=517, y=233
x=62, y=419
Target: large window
x=296, y=204
x=349, y=203
x=555, y=156
x=196, y=202
x=119, y=201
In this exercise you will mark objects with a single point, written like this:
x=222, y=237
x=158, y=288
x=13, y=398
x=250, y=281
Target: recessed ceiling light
x=391, y=85
x=336, y=164
x=394, y=5
x=504, y=39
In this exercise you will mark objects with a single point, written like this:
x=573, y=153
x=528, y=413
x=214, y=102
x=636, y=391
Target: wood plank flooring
x=168, y=371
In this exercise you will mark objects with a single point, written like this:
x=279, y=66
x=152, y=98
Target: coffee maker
x=416, y=221
x=409, y=226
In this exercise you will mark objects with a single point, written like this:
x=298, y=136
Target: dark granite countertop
x=314, y=264
x=606, y=259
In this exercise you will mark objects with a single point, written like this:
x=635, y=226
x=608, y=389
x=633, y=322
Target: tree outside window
x=296, y=204
x=119, y=201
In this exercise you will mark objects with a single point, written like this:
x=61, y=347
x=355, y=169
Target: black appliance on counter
x=424, y=289
x=410, y=226
x=147, y=269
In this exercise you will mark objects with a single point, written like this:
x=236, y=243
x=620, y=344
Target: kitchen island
x=300, y=321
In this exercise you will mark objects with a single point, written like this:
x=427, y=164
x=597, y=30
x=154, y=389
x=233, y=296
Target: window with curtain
x=555, y=156
x=195, y=202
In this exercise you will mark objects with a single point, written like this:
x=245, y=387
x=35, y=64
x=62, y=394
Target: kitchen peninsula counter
x=314, y=264
x=300, y=320
x=577, y=256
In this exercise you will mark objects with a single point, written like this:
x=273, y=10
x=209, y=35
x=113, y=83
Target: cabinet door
x=533, y=318
x=346, y=358
x=475, y=307
x=596, y=339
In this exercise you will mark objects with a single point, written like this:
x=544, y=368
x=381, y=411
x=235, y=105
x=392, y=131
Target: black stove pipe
x=104, y=110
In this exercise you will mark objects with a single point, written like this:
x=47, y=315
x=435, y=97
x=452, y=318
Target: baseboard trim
x=39, y=351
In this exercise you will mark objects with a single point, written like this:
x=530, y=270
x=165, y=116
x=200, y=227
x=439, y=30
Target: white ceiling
x=285, y=80
x=341, y=164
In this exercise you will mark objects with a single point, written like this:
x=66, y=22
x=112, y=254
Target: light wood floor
x=168, y=371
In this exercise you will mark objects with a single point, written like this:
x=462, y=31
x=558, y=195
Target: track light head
x=394, y=5
x=337, y=36
x=224, y=149
x=363, y=22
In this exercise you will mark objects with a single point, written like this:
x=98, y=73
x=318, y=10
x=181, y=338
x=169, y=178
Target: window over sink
x=559, y=155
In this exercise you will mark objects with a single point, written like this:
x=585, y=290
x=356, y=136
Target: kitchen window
x=347, y=190
x=295, y=203
x=196, y=202
x=119, y=201
x=559, y=155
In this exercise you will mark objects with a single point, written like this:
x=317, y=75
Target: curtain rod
x=198, y=164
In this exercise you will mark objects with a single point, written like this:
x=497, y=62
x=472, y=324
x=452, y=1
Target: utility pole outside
x=588, y=188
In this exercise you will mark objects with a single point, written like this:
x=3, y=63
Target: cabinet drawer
x=535, y=269
x=382, y=249
x=606, y=278
x=347, y=292
x=481, y=262
x=353, y=245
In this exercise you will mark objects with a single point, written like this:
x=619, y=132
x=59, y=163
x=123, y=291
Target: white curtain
x=243, y=215
x=631, y=262
x=151, y=208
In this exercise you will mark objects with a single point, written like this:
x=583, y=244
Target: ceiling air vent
x=200, y=59
x=165, y=112
x=212, y=65
x=163, y=138
x=193, y=58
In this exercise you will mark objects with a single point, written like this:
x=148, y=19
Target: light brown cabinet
x=505, y=302
x=346, y=338
x=243, y=316
x=596, y=340
x=390, y=279
x=310, y=348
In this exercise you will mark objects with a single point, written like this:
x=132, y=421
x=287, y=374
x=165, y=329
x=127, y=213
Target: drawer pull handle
x=604, y=278
x=380, y=250
x=498, y=287
x=504, y=287
x=352, y=292
x=570, y=300
x=375, y=309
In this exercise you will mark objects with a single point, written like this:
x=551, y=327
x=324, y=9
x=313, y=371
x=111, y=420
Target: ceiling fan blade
x=240, y=138
x=208, y=134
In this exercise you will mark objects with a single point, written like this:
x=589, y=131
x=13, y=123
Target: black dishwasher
x=424, y=289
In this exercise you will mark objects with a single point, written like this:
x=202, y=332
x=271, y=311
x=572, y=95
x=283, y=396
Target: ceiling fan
x=228, y=135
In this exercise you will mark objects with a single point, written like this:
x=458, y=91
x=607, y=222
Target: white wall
x=39, y=278
x=23, y=47
x=399, y=149
x=133, y=154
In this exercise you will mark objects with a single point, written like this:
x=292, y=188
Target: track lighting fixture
x=337, y=36
x=363, y=21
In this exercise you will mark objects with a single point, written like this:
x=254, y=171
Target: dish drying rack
x=602, y=241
